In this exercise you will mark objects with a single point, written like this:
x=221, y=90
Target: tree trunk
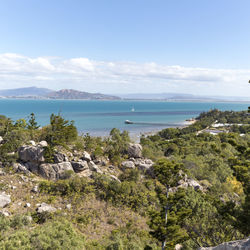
x=166, y=218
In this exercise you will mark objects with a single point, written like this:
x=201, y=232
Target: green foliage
x=61, y=131
x=49, y=154
x=51, y=235
x=116, y=145
x=171, y=230
x=165, y=223
x=32, y=124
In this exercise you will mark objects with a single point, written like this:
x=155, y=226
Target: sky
x=127, y=46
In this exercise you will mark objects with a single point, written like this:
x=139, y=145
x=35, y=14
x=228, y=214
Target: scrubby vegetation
x=151, y=209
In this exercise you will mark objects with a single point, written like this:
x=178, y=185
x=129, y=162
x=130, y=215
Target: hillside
x=59, y=190
x=74, y=94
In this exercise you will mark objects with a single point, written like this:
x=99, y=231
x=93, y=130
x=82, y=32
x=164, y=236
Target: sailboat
x=133, y=109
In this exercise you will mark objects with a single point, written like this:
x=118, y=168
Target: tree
x=166, y=222
x=117, y=144
x=32, y=124
x=61, y=131
x=20, y=124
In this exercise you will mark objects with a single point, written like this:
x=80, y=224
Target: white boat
x=128, y=122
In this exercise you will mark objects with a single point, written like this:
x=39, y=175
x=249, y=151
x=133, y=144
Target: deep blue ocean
x=99, y=117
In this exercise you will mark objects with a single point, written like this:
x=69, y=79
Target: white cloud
x=118, y=77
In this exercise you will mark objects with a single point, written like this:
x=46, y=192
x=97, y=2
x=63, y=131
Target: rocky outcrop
x=4, y=200
x=20, y=168
x=101, y=161
x=5, y=213
x=45, y=208
x=187, y=182
x=31, y=154
x=190, y=183
x=231, y=245
x=59, y=157
x=55, y=171
x=85, y=173
x=143, y=164
x=43, y=144
x=94, y=167
x=127, y=165
x=79, y=166
x=135, y=150
x=31, y=159
x=86, y=156
x=114, y=178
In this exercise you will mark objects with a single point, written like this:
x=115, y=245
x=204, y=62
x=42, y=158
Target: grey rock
x=188, y=183
x=20, y=168
x=24, y=178
x=31, y=154
x=148, y=161
x=86, y=173
x=135, y=150
x=27, y=205
x=2, y=173
x=94, y=168
x=144, y=167
x=195, y=184
x=113, y=177
x=143, y=164
x=111, y=167
x=59, y=157
x=43, y=144
x=32, y=167
x=11, y=153
x=86, y=156
x=101, y=161
x=128, y=165
x=32, y=143
x=55, y=171
x=178, y=247
x=4, y=200
x=68, y=206
x=5, y=213
x=45, y=208
x=231, y=245
x=35, y=189
x=79, y=166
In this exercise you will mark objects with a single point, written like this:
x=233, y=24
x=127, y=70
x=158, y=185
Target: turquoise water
x=99, y=117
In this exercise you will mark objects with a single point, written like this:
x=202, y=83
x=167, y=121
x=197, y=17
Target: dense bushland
x=209, y=216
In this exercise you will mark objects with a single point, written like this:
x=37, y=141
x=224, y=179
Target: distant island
x=43, y=93
x=72, y=94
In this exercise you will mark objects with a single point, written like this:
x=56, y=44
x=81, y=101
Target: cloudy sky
x=132, y=46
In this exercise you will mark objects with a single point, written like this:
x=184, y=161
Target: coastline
x=135, y=134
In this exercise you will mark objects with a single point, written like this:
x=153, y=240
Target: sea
x=98, y=117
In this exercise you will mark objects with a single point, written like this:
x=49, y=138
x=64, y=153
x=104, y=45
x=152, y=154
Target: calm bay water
x=99, y=117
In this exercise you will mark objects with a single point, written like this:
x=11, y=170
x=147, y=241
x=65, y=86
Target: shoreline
x=135, y=135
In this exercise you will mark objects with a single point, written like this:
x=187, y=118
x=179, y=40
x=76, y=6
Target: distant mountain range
x=74, y=94
x=181, y=97
x=30, y=91
x=43, y=93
